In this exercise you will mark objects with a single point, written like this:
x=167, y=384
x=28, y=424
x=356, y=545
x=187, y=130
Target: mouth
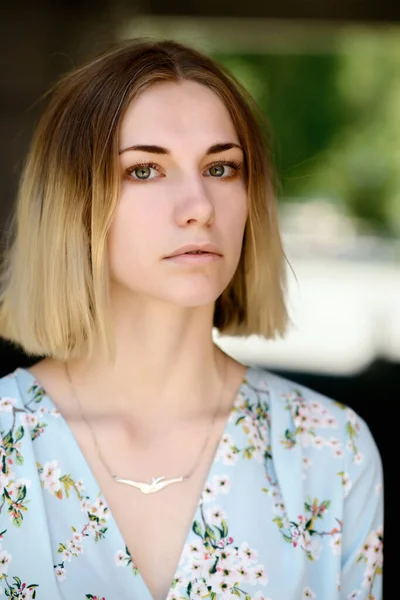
x=197, y=250
x=195, y=256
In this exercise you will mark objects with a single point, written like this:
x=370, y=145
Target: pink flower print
x=330, y=422
x=226, y=557
x=29, y=420
x=243, y=575
x=358, y=459
x=7, y=404
x=222, y=484
x=246, y=555
x=85, y=505
x=295, y=537
x=318, y=442
x=334, y=442
x=258, y=575
x=337, y=453
x=199, y=590
x=99, y=509
x=230, y=457
x=93, y=528
x=352, y=418
x=308, y=594
x=66, y=555
x=215, y=516
x=336, y=544
x=227, y=441
x=368, y=578
x=14, y=487
x=222, y=583
x=26, y=593
x=75, y=547
x=5, y=559
x=79, y=486
x=311, y=545
x=193, y=549
x=209, y=493
x=121, y=558
x=61, y=573
x=51, y=477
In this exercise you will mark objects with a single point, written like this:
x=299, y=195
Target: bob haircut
x=54, y=296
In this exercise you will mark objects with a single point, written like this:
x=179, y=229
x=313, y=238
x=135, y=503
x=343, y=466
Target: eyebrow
x=215, y=149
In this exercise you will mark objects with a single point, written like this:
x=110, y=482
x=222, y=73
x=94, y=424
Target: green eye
x=217, y=170
x=142, y=172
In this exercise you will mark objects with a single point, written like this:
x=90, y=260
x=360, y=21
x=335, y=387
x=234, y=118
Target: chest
x=155, y=526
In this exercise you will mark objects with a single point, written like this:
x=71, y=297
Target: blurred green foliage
x=335, y=120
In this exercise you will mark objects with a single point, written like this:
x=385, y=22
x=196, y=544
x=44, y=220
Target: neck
x=165, y=361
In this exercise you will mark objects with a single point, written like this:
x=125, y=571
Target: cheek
x=137, y=221
x=233, y=217
x=127, y=242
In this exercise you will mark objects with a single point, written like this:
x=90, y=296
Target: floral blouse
x=292, y=507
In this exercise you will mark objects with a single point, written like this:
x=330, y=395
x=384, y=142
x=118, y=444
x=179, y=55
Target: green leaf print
x=248, y=452
x=61, y=548
x=224, y=529
x=278, y=521
x=38, y=392
x=68, y=483
x=289, y=441
x=19, y=434
x=19, y=459
x=18, y=590
x=197, y=529
x=210, y=533
x=8, y=441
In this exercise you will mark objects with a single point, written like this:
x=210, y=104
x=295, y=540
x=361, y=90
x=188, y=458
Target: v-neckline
x=94, y=484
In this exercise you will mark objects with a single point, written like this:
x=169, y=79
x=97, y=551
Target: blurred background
x=326, y=74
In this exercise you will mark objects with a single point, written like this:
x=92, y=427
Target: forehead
x=171, y=112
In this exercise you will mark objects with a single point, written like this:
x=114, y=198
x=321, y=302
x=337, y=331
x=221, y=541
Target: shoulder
x=310, y=418
x=17, y=389
x=10, y=391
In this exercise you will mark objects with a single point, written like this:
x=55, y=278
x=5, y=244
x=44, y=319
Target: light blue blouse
x=292, y=507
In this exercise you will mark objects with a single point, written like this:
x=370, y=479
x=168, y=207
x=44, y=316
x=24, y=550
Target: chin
x=193, y=297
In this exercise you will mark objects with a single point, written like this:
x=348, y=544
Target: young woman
x=138, y=460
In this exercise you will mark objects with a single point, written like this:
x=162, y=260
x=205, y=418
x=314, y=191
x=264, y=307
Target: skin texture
x=180, y=201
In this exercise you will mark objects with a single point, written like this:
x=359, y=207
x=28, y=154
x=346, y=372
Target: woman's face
x=182, y=184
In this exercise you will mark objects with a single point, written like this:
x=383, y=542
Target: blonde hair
x=54, y=297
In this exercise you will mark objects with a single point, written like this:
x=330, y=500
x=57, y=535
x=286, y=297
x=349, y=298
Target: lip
x=209, y=249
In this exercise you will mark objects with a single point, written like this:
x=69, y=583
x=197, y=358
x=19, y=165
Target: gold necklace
x=157, y=483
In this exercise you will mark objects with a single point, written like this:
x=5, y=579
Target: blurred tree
x=336, y=122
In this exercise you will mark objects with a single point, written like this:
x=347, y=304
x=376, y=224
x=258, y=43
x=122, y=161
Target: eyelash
x=228, y=163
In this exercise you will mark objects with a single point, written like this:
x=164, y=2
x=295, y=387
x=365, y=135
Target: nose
x=194, y=205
